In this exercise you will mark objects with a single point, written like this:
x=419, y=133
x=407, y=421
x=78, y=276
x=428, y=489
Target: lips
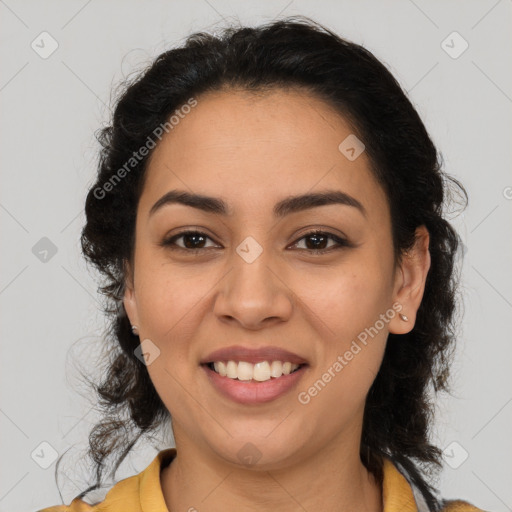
x=254, y=393
x=253, y=355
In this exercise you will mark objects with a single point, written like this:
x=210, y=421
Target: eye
x=315, y=241
x=192, y=241
x=318, y=239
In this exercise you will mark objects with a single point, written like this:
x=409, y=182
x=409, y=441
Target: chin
x=259, y=452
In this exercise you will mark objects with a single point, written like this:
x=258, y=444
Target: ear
x=410, y=281
x=129, y=299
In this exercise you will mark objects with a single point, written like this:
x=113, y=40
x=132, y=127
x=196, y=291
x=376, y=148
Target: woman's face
x=257, y=282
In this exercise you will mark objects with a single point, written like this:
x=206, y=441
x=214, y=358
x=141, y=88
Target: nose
x=254, y=294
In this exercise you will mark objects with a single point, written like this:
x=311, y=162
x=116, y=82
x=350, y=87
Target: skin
x=252, y=151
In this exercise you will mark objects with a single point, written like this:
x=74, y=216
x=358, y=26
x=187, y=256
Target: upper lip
x=253, y=355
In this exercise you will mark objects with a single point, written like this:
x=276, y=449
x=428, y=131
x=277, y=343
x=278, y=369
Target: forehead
x=258, y=148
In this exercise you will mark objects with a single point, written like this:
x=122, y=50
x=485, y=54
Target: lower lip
x=253, y=392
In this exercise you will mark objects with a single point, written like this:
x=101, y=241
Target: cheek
x=166, y=295
x=351, y=315
x=170, y=301
x=170, y=308
x=346, y=299
x=351, y=339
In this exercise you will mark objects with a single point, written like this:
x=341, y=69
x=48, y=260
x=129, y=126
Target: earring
x=403, y=317
x=134, y=329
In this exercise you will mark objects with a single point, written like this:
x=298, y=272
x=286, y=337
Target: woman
x=268, y=216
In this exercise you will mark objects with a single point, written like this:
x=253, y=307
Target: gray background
x=51, y=323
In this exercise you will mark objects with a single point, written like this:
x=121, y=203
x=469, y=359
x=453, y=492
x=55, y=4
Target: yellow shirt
x=143, y=493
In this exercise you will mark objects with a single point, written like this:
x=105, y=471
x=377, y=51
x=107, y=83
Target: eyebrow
x=291, y=204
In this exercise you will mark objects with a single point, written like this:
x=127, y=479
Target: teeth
x=245, y=371
x=260, y=371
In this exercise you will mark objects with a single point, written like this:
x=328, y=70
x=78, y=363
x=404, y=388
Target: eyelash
x=170, y=242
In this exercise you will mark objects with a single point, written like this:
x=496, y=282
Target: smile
x=261, y=372
x=243, y=385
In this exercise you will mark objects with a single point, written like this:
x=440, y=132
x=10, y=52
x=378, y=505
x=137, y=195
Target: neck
x=333, y=479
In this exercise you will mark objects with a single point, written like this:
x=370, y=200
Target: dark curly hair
x=294, y=52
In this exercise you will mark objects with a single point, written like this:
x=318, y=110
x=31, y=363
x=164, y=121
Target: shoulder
x=400, y=493
x=125, y=494
x=459, y=506
x=132, y=494
x=77, y=505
